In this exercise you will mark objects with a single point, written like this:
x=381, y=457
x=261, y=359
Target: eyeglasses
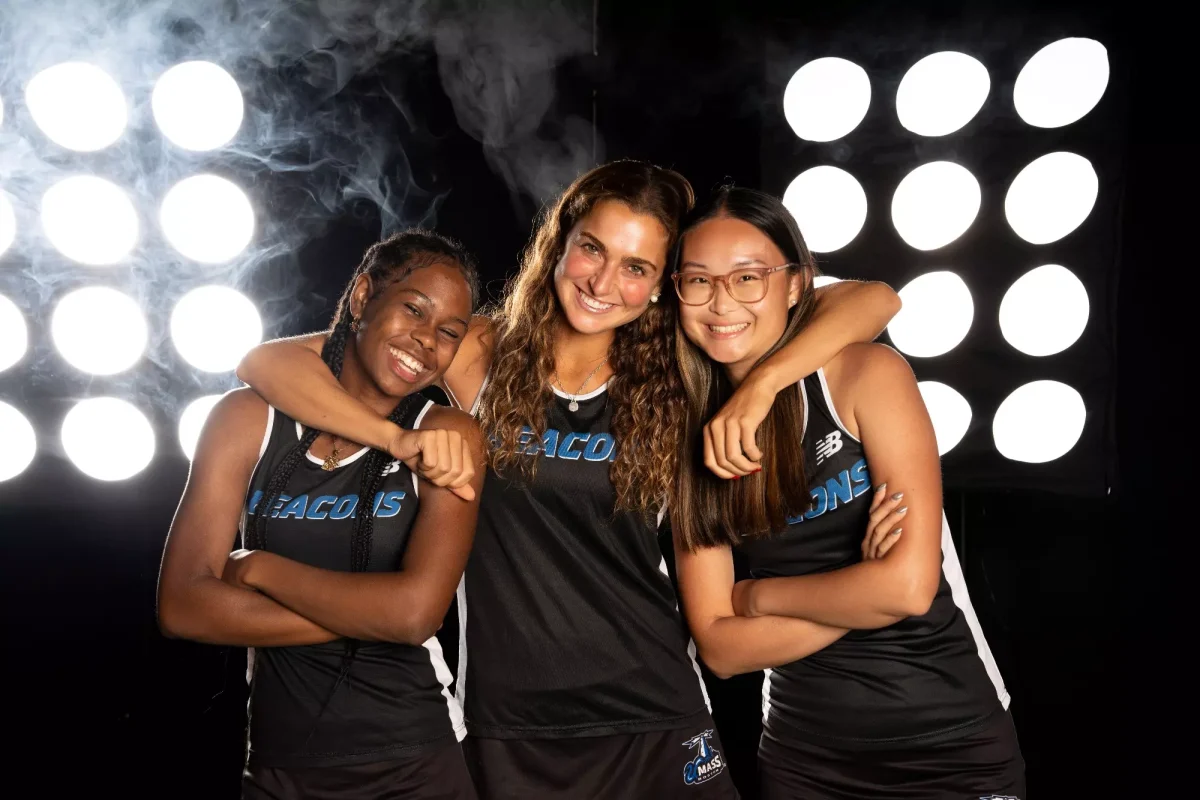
x=747, y=285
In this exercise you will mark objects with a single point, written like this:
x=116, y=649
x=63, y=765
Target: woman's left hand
x=730, y=449
x=237, y=568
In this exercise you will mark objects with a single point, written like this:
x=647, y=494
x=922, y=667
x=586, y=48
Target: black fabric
x=920, y=680
x=655, y=765
x=434, y=774
x=572, y=626
x=391, y=703
x=983, y=765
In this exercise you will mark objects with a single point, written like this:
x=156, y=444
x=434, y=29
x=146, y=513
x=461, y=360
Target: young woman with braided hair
x=575, y=668
x=351, y=553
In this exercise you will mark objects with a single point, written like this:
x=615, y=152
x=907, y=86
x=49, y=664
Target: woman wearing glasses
x=576, y=674
x=879, y=683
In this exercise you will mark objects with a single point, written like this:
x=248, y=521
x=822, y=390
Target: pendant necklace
x=574, y=404
x=334, y=458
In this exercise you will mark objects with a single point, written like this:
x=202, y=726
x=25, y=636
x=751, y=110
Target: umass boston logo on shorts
x=707, y=764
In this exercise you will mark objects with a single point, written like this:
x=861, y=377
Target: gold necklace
x=334, y=458
x=574, y=404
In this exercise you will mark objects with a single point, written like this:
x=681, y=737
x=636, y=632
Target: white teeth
x=404, y=358
x=741, y=326
x=593, y=303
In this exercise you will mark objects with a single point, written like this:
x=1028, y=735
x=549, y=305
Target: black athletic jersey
x=922, y=679
x=394, y=700
x=569, y=622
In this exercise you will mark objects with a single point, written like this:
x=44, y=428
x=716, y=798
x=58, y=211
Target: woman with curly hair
x=576, y=671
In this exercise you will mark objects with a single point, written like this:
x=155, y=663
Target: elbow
x=889, y=299
x=717, y=661
x=247, y=368
x=917, y=598
x=415, y=628
x=173, y=621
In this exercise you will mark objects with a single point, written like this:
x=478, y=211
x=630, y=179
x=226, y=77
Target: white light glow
x=1039, y=422
x=941, y=93
x=1044, y=311
x=935, y=317
x=825, y=280
x=949, y=411
x=197, y=105
x=829, y=206
x=8, y=223
x=1061, y=83
x=20, y=442
x=191, y=422
x=214, y=326
x=108, y=439
x=935, y=204
x=1, y=112
x=89, y=220
x=826, y=99
x=207, y=218
x=77, y=105
x=99, y=330
x=1051, y=197
x=14, y=335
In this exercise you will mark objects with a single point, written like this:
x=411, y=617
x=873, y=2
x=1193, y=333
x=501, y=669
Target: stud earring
x=354, y=325
x=653, y=298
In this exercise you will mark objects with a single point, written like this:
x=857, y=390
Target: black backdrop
x=98, y=701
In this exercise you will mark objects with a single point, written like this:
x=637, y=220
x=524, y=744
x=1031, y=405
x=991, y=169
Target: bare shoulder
x=235, y=428
x=867, y=364
x=240, y=408
x=447, y=418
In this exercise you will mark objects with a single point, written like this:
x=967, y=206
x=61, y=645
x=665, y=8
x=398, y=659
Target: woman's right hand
x=883, y=527
x=440, y=456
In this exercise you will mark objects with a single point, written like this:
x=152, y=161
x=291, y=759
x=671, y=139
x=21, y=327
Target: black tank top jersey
x=570, y=623
x=395, y=700
x=921, y=680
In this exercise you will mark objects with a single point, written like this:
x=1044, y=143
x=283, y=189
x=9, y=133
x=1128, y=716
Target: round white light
x=8, y=223
x=89, y=220
x=1061, y=83
x=941, y=93
x=108, y=439
x=935, y=317
x=825, y=280
x=20, y=443
x=949, y=411
x=214, y=326
x=207, y=218
x=1039, y=422
x=1044, y=311
x=77, y=105
x=14, y=336
x=935, y=204
x=99, y=330
x=197, y=105
x=826, y=99
x=1051, y=197
x=191, y=422
x=829, y=206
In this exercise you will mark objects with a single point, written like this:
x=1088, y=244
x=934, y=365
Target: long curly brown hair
x=646, y=390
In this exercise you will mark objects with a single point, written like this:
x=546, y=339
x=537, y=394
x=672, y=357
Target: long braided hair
x=385, y=262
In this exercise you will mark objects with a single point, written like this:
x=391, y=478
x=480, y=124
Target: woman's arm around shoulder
x=468, y=371
x=193, y=600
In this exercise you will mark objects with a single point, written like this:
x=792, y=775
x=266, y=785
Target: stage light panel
x=77, y=105
x=941, y=93
x=214, y=326
x=191, y=422
x=935, y=317
x=8, y=223
x=1039, y=422
x=935, y=204
x=89, y=220
x=1051, y=197
x=207, y=218
x=14, y=334
x=107, y=438
x=99, y=330
x=20, y=442
x=829, y=206
x=1044, y=311
x=1061, y=83
x=826, y=99
x=949, y=411
x=197, y=105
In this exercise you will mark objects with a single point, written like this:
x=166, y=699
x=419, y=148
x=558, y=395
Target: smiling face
x=733, y=333
x=410, y=330
x=612, y=262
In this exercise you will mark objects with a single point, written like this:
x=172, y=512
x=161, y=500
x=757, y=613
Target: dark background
x=1067, y=582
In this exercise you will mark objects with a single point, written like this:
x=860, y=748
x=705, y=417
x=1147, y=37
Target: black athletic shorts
x=435, y=774
x=683, y=764
x=985, y=763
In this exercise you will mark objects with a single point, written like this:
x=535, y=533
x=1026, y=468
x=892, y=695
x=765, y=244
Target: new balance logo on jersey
x=828, y=445
x=390, y=467
x=707, y=764
x=1000, y=797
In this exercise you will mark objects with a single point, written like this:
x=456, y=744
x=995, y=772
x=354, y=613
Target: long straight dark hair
x=705, y=510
